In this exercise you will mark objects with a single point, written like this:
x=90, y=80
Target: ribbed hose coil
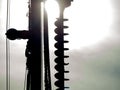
x=59, y=52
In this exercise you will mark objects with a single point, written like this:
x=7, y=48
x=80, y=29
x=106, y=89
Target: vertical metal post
x=46, y=53
x=35, y=45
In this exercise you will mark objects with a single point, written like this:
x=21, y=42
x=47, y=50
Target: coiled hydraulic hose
x=59, y=45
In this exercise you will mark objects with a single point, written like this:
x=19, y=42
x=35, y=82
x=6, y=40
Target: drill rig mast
x=35, y=46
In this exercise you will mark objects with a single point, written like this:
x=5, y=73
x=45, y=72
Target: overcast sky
x=94, y=44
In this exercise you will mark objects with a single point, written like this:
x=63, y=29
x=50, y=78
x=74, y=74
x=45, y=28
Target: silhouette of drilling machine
x=35, y=45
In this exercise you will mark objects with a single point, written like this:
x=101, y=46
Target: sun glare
x=89, y=21
x=92, y=22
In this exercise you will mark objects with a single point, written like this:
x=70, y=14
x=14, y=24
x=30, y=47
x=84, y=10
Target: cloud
x=95, y=71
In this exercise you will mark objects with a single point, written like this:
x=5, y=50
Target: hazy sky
x=94, y=43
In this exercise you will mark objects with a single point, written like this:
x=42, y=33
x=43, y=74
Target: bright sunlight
x=89, y=21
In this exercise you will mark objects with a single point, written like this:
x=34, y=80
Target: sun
x=89, y=21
